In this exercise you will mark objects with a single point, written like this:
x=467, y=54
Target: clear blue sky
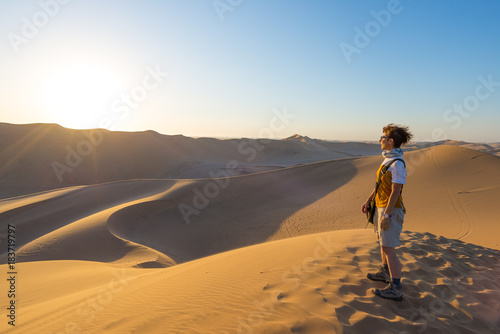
x=342, y=69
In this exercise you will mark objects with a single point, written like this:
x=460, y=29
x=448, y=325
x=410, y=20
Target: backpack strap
x=384, y=170
x=386, y=167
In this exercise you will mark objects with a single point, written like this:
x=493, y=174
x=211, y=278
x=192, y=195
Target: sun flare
x=79, y=96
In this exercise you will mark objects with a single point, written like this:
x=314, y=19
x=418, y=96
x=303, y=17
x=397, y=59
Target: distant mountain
x=47, y=156
x=350, y=148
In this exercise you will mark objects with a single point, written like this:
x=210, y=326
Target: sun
x=79, y=96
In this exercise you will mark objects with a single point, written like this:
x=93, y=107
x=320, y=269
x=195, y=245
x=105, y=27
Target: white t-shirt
x=397, y=170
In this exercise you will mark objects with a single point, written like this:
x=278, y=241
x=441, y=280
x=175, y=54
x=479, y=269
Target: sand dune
x=309, y=284
x=353, y=148
x=225, y=214
x=452, y=192
x=278, y=251
x=491, y=148
x=38, y=157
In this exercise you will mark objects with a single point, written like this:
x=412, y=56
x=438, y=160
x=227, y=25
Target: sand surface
x=283, y=250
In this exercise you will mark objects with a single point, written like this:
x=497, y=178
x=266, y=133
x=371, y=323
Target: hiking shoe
x=391, y=291
x=382, y=275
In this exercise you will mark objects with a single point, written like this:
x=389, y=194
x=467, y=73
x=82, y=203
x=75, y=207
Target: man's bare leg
x=392, y=261
x=383, y=256
x=394, y=290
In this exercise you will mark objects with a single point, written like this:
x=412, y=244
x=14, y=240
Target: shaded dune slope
x=71, y=223
x=75, y=225
x=229, y=213
x=38, y=157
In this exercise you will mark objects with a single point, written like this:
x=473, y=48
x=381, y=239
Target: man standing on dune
x=389, y=214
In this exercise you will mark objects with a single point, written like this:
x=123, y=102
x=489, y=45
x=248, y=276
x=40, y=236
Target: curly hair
x=400, y=134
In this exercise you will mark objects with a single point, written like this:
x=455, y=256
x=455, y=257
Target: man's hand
x=364, y=207
x=384, y=224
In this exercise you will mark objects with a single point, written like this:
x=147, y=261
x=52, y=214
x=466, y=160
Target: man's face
x=386, y=143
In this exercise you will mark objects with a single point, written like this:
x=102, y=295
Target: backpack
x=371, y=209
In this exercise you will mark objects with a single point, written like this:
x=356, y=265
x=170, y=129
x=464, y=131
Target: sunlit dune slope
x=453, y=191
x=308, y=284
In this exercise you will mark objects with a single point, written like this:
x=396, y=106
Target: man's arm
x=364, y=207
x=395, y=192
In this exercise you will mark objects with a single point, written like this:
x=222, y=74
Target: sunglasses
x=382, y=137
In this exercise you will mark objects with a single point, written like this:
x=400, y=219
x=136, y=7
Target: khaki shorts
x=389, y=237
